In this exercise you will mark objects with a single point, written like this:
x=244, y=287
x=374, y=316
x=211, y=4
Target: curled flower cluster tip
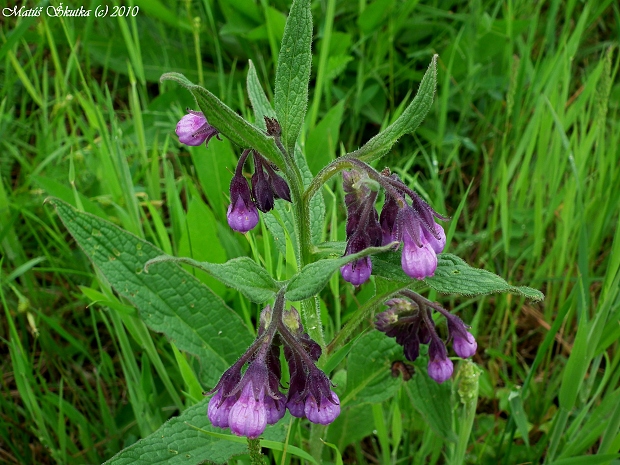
x=410, y=322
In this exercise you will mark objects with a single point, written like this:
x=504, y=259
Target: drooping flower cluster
x=267, y=186
x=413, y=224
x=194, y=129
x=310, y=392
x=246, y=403
x=411, y=324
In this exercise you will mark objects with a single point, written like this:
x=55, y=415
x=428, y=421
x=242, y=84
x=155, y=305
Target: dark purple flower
x=413, y=224
x=242, y=214
x=194, y=129
x=411, y=323
x=310, y=390
x=403, y=322
x=296, y=404
x=276, y=408
x=440, y=367
x=278, y=185
x=389, y=212
x=363, y=228
x=267, y=185
x=261, y=191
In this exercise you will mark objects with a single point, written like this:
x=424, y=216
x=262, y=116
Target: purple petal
x=242, y=217
x=438, y=244
x=418, y=262
x=219, y=410
x=248, y=417
x=326, y=412
x=465, y=348
x=358, y=271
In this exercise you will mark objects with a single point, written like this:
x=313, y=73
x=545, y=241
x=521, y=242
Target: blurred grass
x=525, y=121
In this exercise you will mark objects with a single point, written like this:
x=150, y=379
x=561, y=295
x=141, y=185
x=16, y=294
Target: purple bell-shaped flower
x=242, y=214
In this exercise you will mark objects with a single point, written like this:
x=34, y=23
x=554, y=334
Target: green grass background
x=524, y=136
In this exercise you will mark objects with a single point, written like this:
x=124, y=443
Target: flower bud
x=387, y=219
x=465, y=347
x=440, y=367
x=261, y=191
x=278, y=185
x=194, y=129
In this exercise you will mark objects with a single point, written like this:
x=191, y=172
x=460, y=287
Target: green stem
x=316, y=444
x=324, y=175
x=256, y=456
x=468, y=393
x=360, y=315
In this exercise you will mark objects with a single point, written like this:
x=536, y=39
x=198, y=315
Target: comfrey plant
x=395, y=252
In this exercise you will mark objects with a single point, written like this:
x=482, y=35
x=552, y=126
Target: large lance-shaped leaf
x=178, y=441
x=227, y=121
x=406, y=123
x=452, y=276
x=168, y=298
x=293, y=72
x=432, y=400
x=262, y=108
x=258, y=99
x=369, y=375
x=242, y=274
x=314, y=277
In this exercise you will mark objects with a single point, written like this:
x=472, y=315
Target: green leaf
x=432, y=400
x=293, y=72
x=369, y=374
x=453, y=276
x=201, y=242
x=314, y=277
x=259, y=100
x=281, y=229
x=228, y=122
x=406, y=123
x=180, y=441
x=352, y=425
x=242, y=273
x=587, y=459
x=169, y=299
x=274, y=445
x=322, y=141
x=317, y=203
